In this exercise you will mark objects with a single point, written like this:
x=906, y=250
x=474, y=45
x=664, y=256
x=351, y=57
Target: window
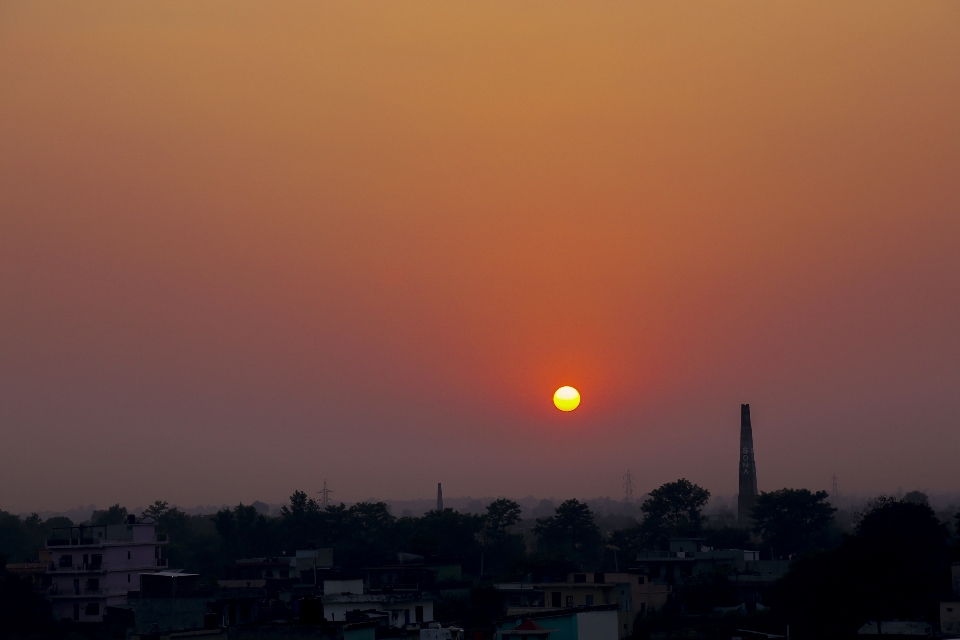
x=66, y=561
x=93, y=584
x=643, y=608
x=92, y=609
x=555, y=599
x=418, y=611
x=128, y=555
x=589, y=601
x=76, y=610
x=599, y=577
x=128, y=577
x=640, y=579
x=579, y=577
x=569, y=601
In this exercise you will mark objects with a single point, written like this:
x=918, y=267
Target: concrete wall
x=162, y=615
x=597, y=625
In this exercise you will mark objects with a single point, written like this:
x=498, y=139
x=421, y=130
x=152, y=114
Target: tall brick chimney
x=748, y=470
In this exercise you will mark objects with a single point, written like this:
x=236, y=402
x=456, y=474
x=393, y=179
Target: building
x=950, y=617
x=632, y=593
x=92, y=568
x=403, y=606
x=173, y=601
x=950, y=609
x=584, y=623
x=747, y=470
x=896, y=628
x=688, y=558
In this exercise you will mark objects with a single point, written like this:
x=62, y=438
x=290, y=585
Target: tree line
x=893, y=564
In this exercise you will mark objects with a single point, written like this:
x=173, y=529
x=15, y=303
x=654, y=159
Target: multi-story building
x=633, y=593
x=92, y=568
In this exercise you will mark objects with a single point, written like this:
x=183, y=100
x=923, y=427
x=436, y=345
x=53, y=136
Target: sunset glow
x=228, y=228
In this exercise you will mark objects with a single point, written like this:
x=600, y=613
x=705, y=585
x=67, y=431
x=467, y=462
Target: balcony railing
x=99, y=567
x=57, y=590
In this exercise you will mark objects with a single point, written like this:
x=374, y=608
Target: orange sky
x=245, y=247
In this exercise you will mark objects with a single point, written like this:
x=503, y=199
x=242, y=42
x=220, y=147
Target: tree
x=792, y=520
x=245, y=532
x=892, y=567
x=113, y=515
x=570, y=532
x=501, y=514
x=672, y=510
x=157, y=509
x=917, y=497
x=502, y=550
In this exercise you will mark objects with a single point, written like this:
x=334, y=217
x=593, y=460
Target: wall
x=597, y=625
x=161, y=615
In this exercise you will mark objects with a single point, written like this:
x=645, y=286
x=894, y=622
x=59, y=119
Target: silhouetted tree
x=23, y=611
x=893, y=567
x=245, y=531
x=112, y=515
x=157, y=509
x=570, y=533
x=501, y=514
x=672, y=510
x=727, y=538
x=917, y=497
x=503, y=551
x=792, y=520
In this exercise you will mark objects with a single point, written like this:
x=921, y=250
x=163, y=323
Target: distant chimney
x=439, y=498
x=747, y=470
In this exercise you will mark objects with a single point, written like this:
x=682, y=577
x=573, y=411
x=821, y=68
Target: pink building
x=92, y=568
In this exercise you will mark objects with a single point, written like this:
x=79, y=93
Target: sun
x=566, y=398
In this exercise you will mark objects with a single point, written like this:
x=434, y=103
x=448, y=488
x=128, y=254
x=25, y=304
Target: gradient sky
x=247, y=246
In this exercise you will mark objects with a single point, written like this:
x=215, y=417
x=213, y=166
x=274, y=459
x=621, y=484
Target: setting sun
x=566, y=398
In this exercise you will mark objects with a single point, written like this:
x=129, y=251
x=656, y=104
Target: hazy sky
x=248, y=246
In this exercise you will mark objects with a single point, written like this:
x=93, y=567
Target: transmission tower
x=325, y=495
x=628, y=488
x=834, y=487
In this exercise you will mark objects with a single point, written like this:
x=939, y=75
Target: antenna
x=834, y=487
x=325, y=495
x=628, y=488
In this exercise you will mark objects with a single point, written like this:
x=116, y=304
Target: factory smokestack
x=748, y=470
x=439, y=498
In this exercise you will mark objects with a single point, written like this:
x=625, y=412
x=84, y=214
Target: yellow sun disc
x=566, y=398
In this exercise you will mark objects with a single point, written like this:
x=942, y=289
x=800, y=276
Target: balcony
x=88, y=567
x=57, y=591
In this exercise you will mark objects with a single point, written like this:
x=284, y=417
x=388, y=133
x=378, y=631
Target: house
x=436, y=631
x=527, y=630
x=173, y=601
x=582, y=623
x=950, y=617
x=896, y=628
x=688, y=558
x=94, y=567
x=403, y=606
x=632, y=592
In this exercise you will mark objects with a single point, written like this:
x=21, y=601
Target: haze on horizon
x=245, y=247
